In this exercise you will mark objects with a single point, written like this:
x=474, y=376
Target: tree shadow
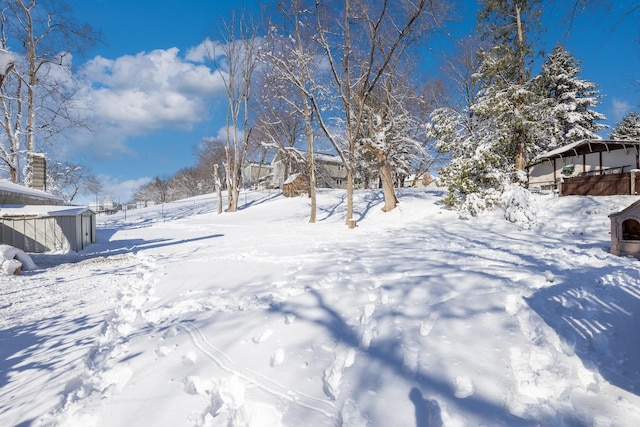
x=27, y=349
x=598, y=320
x=388, y=352
x=108, y=249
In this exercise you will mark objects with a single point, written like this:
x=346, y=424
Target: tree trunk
x=312, y=164
x=388, y=189
x=216, y=183
x=520, y=149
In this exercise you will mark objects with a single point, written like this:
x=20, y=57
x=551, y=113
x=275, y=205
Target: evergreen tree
x=570, y=99
x=510, y=26
x=484, y=140
x=628, y=128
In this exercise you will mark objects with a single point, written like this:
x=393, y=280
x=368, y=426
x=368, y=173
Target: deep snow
x=179, y=316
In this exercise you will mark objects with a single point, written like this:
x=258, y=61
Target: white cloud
x=620, y=108
x=140, y=94
x=120, y=191
x=204, y=51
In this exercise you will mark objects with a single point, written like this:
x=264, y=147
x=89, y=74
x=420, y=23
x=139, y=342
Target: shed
x=625, y=231
x=45, y=228
x=295, y=185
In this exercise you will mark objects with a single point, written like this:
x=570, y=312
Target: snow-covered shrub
x=13, y=260
x=518, y=206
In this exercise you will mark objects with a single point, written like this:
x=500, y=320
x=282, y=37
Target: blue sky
x=155, y=99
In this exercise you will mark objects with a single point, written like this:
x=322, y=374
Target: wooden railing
x=599, y=185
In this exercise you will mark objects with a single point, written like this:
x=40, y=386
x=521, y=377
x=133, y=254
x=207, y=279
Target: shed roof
x=586, y=146
x=41, y=211
x=7, y=187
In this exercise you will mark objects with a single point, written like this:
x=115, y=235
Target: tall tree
x=294, y=62
x=236, y=61
x=37, y=95
x=628, y=128
x=363, y=41
x=391, y=132
x=570, y=98
x=510, y=27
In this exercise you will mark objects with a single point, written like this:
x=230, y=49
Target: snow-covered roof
x=41, y=211
x=292, y=178
x=7, y=186
x=586, y=146
x=321, y=157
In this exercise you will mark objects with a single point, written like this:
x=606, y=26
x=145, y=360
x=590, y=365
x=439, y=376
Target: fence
x=600, y=185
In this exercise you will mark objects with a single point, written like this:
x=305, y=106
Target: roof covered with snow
x=586, y=146
x=41, y=211
x=7, y=187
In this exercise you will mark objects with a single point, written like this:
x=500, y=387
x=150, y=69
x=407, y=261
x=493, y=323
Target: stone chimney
x=39, y=170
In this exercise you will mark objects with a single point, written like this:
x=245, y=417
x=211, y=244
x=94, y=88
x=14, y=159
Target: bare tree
x=37, y=99
x=278, y=125
x=69, y=180
x=185, y=183
x=211, y=154
x=236, y=62
x=156, y=191
x=373, y=37
x=294, y=62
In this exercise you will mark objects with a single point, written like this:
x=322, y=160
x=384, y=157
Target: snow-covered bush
x=13, y=260
x=518, y=205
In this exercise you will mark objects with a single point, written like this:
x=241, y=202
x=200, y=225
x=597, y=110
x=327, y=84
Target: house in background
x=35, y=221
x=330, y=172
x=594, y=167
x=257, y=175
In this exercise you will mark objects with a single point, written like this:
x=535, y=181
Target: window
x=340, y=167
x=338, y=182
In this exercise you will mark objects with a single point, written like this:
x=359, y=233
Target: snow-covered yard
x=182, y=317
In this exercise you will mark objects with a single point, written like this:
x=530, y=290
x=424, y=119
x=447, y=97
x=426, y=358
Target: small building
x=595, y=167
x=625, y=231
x=44, y=228
x=296, y=185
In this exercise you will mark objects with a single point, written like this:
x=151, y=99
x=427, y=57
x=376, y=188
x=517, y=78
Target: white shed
x=47, y=228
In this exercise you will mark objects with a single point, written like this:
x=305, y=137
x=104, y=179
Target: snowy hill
x=182, y=317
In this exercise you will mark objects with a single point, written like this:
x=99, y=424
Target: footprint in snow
x=426, y=326
x=190, y=358
x=463, y=387
x=263, y=337
x=277, y=358
x=333, y=374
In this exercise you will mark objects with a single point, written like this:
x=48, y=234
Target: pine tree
x=484, y=140
x=510, y=26
x=628, y=128
x=570, y=99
